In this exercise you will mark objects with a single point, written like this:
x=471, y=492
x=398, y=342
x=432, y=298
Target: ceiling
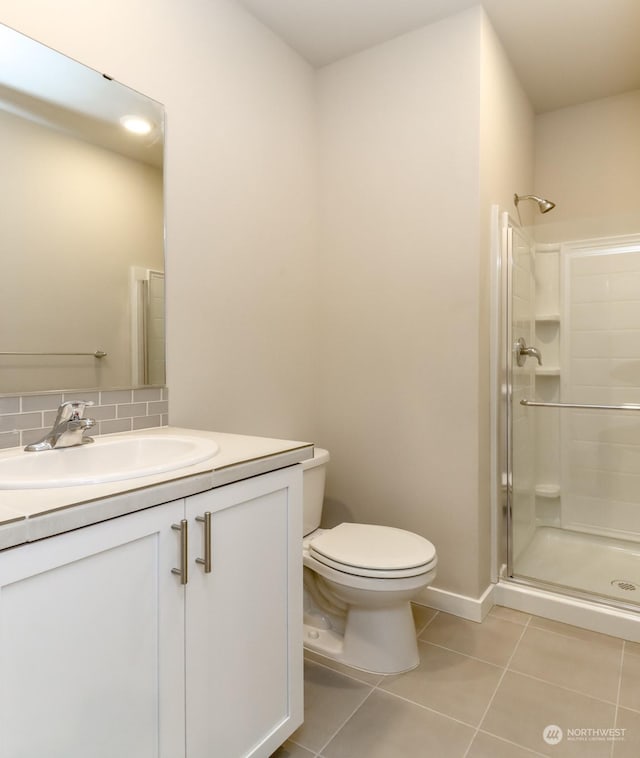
x=563, y=51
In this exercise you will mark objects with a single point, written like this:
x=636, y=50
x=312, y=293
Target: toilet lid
x=371, y=548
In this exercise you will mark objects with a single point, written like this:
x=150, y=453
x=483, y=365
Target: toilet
x=359, y=580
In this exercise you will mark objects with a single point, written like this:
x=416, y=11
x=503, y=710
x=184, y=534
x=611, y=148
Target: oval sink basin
x=105, y=460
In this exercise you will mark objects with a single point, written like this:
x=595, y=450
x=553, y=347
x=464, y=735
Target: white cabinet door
x=244, y=619
x=92, y=642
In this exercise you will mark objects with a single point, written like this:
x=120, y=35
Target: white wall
x=506, y=167
x=76, y=217
x=240, y=197
x=588, y=163
x=399, y=162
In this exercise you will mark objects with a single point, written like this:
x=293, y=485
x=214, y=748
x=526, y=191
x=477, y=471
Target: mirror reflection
x=82, y=233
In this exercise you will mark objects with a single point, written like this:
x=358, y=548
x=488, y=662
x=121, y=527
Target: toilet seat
x=375, y=551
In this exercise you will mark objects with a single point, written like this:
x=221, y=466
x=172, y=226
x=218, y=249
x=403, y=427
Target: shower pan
x=569, y=416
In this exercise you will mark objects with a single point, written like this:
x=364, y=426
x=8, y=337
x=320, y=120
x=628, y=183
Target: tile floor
x=481, y=691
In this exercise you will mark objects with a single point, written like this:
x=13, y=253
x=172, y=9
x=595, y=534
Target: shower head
x=544, y=206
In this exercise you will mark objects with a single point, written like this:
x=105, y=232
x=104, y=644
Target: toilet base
x=378, y=640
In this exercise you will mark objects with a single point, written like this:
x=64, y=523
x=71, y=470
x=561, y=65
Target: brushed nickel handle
x=625, y=407
x=206, y=561
x=183, y=571
x=523, y=352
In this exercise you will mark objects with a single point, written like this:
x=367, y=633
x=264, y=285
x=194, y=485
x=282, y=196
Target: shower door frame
x=502, y=417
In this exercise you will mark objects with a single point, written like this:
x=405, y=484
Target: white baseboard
x=568, y=610
x=473, y=609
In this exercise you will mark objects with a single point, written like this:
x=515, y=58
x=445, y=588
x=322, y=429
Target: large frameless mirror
x=82, y=231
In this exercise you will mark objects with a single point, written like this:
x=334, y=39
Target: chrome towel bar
x=97, y=354
x=627, y=407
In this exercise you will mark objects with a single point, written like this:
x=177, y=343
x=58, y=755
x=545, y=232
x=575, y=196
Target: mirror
x=82, y=233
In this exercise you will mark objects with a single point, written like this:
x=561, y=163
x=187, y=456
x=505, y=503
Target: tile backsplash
x=26, y=418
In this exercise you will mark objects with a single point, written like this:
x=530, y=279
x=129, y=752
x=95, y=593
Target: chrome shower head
x=544, y=206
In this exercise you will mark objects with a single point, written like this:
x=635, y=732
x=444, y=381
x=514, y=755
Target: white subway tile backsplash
x=146, y=422
x=9, y=439
x=9, y=404
x=113, y=397
x=89, y=397
x=12, y=422
x=115, y=426
x=31, y=435
x=102, y=412
x=161, y=406
x=26, y=418
x=132, y=409
x=40, y=402
x=146, y=394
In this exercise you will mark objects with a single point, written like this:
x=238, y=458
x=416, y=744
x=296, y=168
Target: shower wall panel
x=601, y=365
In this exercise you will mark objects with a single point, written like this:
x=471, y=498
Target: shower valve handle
x=523, y=352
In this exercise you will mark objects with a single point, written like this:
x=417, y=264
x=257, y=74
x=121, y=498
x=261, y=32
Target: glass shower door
x=574, y=469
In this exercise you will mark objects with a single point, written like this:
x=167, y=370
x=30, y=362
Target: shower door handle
x=585, y=406
x=523, y=352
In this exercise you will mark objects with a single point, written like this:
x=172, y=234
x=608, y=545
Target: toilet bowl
x=359, y=580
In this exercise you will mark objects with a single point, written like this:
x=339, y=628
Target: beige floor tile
x=362, y=676
x=628, y=746
x=388, y=727
x=575, y=632
x=422, y=615
x=329, y=699
x=493, y=641
x=291, y=750
x=487, y=746
x=630, y=683
x=590, y=667
x=523, y=707
x=509, y=614
x=632, y=648
x=453, y=684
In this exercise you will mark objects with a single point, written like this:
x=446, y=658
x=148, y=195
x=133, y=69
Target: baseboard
x=473, y=609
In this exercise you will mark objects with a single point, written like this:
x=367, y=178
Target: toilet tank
x=313, y=477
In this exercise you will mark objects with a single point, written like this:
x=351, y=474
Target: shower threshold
x=602, y=566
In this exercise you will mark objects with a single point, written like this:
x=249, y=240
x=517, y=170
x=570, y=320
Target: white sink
x=108, y=459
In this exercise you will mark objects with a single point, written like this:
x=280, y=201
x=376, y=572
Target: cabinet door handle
x=182, y=572
x=206, y=561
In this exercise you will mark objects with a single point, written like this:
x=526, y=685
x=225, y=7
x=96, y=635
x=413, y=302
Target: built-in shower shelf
x=548, y=371
x=547, y=490
x=552, y=317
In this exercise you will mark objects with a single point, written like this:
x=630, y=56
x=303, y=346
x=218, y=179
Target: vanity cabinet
x=244, y=619
x=105, y=652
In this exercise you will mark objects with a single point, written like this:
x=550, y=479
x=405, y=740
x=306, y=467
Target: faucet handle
x=522, y=352
x=72, y=410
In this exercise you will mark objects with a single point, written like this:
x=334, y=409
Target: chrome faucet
x=68, y=429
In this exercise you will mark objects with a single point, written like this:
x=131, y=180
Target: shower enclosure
x=570, y=414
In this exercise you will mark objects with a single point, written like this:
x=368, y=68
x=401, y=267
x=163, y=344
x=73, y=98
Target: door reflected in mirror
x=82, y=235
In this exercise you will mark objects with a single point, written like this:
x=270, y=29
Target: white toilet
x=358, y=583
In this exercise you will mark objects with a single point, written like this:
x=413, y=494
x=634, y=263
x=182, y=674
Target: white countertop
x=31, y=514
